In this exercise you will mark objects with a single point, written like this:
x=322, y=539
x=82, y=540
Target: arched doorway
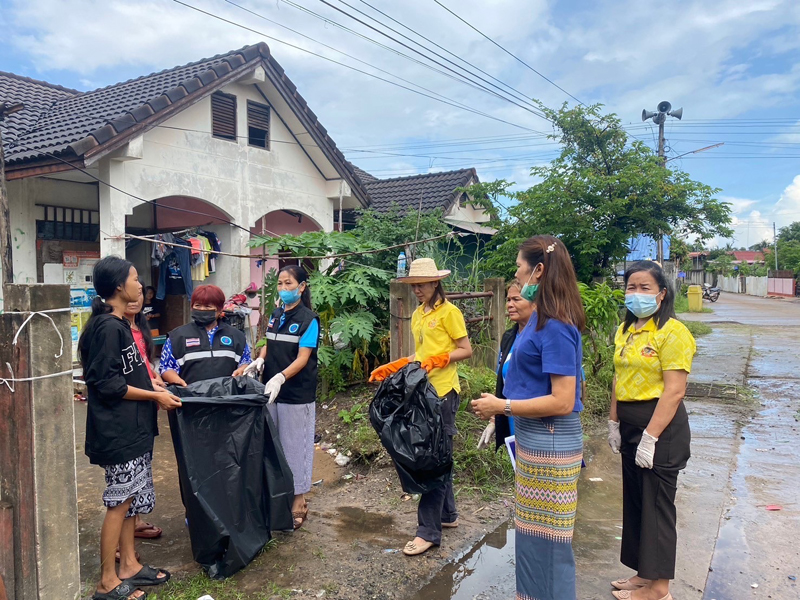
x=275, y=223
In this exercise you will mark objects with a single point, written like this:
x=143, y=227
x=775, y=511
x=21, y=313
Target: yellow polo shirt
x=435, y=333
x=642, y=355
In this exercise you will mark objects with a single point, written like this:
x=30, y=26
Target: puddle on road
x=356, y=524
x=486, y=571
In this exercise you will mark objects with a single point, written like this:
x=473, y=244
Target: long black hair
x=666, y=311
x=300, y=275
x=140, y=320
x=108, y=274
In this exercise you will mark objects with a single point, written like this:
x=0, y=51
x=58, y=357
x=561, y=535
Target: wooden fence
x=402, y=303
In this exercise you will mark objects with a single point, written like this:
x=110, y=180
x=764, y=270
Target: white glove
x=273, y=386
x=254, y=368
x=486, y=436
x=614, y=437
x=646, y=451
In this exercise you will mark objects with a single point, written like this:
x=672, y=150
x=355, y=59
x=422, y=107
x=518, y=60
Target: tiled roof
x=62, y=121
x=363, y=175
x=36, y=97
x=437, y=190
x=107, y=112
x=747, y=256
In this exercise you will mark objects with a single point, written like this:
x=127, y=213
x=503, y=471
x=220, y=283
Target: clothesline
x=130, y=236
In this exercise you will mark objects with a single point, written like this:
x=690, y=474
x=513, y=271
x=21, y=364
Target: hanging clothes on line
x=179, y=267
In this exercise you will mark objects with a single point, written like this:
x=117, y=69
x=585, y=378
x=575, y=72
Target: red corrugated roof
x=747, y=256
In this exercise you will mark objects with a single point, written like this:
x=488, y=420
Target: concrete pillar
x=113, y=207
x=38, y=492
x=402, y=304
x=22, y=212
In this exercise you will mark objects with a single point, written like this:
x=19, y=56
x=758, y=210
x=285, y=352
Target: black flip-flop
x=149, y=576
x=122, y=592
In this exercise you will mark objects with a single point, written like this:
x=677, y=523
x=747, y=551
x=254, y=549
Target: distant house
x=644, y=247
x=698, y=260
x=747, y=257
x=426, y=193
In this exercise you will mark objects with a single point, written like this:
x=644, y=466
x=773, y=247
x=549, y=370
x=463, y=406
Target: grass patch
x=363, y=443
x=482, y=472
x=697, y=328
x=194, y=587
x=682, y=305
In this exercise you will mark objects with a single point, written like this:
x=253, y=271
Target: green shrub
x=363, y=443
x=697, y=328
x=475, y=381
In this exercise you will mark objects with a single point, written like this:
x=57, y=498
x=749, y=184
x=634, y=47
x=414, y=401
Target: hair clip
x=550, y=248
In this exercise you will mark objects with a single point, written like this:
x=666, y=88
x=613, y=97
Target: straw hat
x=423, y=270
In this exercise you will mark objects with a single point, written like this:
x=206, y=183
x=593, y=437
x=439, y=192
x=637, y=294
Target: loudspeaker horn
x=678, y=113
x=647, y=114
x=664, y=107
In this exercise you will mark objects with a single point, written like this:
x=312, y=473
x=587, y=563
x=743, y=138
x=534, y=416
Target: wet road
x=728, y=540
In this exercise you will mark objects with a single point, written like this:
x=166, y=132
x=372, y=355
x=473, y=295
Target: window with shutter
x=258, y=124
x=223, y=116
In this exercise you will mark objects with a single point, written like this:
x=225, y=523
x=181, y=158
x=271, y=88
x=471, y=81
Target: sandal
x=135, y=553
x=149, y=576
x=628, y=594
x=301, y=516
x=412, y=549
x=625, y=584
x=124, y=591
x=452, y=525
x=147, y=531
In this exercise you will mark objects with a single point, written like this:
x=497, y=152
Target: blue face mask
x=641, y=305
x=290, y=296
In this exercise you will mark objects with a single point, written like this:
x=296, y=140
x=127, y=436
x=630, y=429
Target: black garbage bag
x=235, y=483
x=407, y=414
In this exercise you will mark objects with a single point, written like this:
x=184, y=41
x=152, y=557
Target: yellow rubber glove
x=384, y=371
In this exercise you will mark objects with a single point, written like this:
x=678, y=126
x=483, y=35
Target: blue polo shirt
x=554, y=350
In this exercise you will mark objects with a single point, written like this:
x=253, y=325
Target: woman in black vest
x=289, y=361
x=519, y=312
x=206, y=348
x=121, y=426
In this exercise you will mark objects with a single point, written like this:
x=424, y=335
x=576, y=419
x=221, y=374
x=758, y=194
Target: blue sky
x=733, y=67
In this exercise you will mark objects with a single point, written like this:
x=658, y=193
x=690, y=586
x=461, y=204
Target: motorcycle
x=711, y=293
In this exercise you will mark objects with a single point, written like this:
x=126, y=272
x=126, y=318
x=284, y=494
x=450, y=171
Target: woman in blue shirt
x=543, y=395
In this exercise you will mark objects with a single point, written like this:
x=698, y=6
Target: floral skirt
x=549, y=453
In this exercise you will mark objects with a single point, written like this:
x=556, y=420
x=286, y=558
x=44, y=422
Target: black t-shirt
x=155, y=307
x=175, y=286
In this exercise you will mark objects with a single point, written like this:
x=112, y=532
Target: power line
x=520, y=95
x=308, y=37
x=550, y=81
x=458, y=76
x=301, y=49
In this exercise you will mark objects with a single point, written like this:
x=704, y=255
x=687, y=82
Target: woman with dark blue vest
x=289, y=361
x=205, y=348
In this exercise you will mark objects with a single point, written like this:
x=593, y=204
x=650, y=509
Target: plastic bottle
x=401, y=264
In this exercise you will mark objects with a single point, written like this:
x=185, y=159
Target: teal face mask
x=530, y=290
x=642, y=305
x=290, y=296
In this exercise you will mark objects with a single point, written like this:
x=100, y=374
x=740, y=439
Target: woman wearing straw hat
x=440, y=337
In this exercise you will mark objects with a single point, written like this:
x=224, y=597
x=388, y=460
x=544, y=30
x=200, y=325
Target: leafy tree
x=603, y=190
x=790, y=233
x=721, y=265
x=679, y=250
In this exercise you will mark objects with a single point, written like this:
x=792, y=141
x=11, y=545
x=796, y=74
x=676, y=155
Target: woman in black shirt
x=120, y=426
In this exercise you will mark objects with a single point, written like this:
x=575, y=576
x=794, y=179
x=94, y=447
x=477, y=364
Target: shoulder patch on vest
x=192, y=342
x=294, y=327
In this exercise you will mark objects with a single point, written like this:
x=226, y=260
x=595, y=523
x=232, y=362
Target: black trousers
x=649, y=518
x=439, y=506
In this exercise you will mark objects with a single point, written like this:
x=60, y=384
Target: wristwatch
x=507, y=409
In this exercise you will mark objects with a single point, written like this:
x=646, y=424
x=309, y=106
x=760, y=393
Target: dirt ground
x=350, y=547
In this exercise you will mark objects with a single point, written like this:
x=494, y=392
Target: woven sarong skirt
x=549, y=452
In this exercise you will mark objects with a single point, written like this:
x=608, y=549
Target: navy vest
x=200, y=360
x=283, y=345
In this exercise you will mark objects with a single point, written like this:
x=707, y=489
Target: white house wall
x=23, y=196
x=181, y=158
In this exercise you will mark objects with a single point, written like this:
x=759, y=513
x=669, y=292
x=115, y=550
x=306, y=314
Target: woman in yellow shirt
x=440, y=336
x=649, y=425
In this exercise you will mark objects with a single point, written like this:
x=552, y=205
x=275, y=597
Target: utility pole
x=775, y=243
x=660, y=117
x=5, y=215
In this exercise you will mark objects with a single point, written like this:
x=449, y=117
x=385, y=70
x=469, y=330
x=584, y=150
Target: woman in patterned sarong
x=544, y=399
